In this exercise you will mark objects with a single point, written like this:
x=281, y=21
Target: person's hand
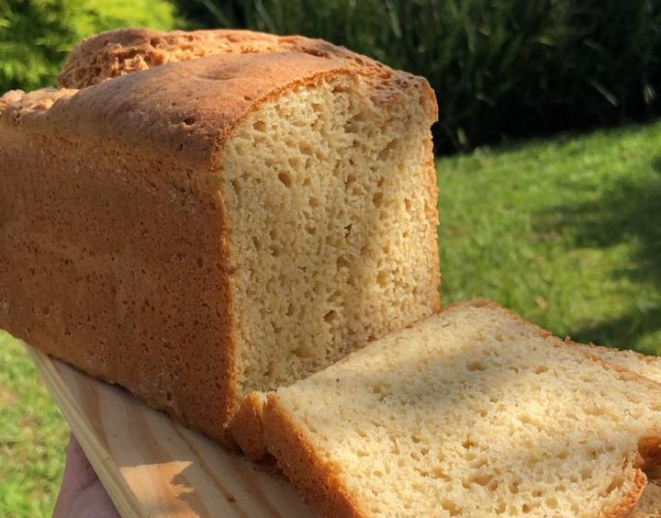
x=82, y=495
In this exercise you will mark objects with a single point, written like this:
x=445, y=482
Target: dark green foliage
x=500, y=68
x=36, y=35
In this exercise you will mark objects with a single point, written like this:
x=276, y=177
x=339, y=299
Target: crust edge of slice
x=314, y=478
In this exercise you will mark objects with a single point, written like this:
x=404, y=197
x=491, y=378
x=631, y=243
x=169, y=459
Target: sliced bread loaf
x=473, y=412
x=215, y=226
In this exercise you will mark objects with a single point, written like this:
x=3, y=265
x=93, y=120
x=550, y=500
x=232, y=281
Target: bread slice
x=216, y=226
x=649, y=505
x=648, y=366
x=473, y=412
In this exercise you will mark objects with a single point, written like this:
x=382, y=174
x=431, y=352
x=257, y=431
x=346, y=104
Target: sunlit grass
x=566, y=232
x=33, y=436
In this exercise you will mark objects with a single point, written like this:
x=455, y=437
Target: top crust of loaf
x=119, y=52
x=115, y=53
x=209, y=82
x=183, y=111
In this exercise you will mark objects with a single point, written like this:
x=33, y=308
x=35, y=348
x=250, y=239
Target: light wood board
x=151, y=465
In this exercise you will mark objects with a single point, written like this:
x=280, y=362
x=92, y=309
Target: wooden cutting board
x=151, y=465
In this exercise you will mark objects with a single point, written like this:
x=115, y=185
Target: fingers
x=81, y=494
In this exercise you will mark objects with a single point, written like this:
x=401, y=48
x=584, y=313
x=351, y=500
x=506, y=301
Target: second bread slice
x=649, y=505
x=473, y=412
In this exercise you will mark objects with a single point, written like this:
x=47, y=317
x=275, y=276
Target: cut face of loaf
x=208, y=228
x=334, y=241
x=473, y=412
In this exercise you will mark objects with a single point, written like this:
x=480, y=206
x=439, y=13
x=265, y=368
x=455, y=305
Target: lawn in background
x=566, y=232
x=33, y=437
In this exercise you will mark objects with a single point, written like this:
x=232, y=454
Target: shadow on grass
x=627, y=211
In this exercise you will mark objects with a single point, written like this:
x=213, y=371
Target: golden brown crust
x=114, y=53
x=124, y=275
x=182, y=112
x=17, y=103
x=628, y=504
x=119, y=52
x=314, y=478
x=247, y=426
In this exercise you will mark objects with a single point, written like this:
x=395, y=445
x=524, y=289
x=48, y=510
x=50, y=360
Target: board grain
x=154, y=467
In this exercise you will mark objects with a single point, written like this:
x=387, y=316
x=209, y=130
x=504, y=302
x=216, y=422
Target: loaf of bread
x=473, y=412
x=215, y=226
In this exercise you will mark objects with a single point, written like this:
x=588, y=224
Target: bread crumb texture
x=333, y=222
x=473, y=412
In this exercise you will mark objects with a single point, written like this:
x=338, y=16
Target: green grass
x=33, y=437
x=566, y=232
